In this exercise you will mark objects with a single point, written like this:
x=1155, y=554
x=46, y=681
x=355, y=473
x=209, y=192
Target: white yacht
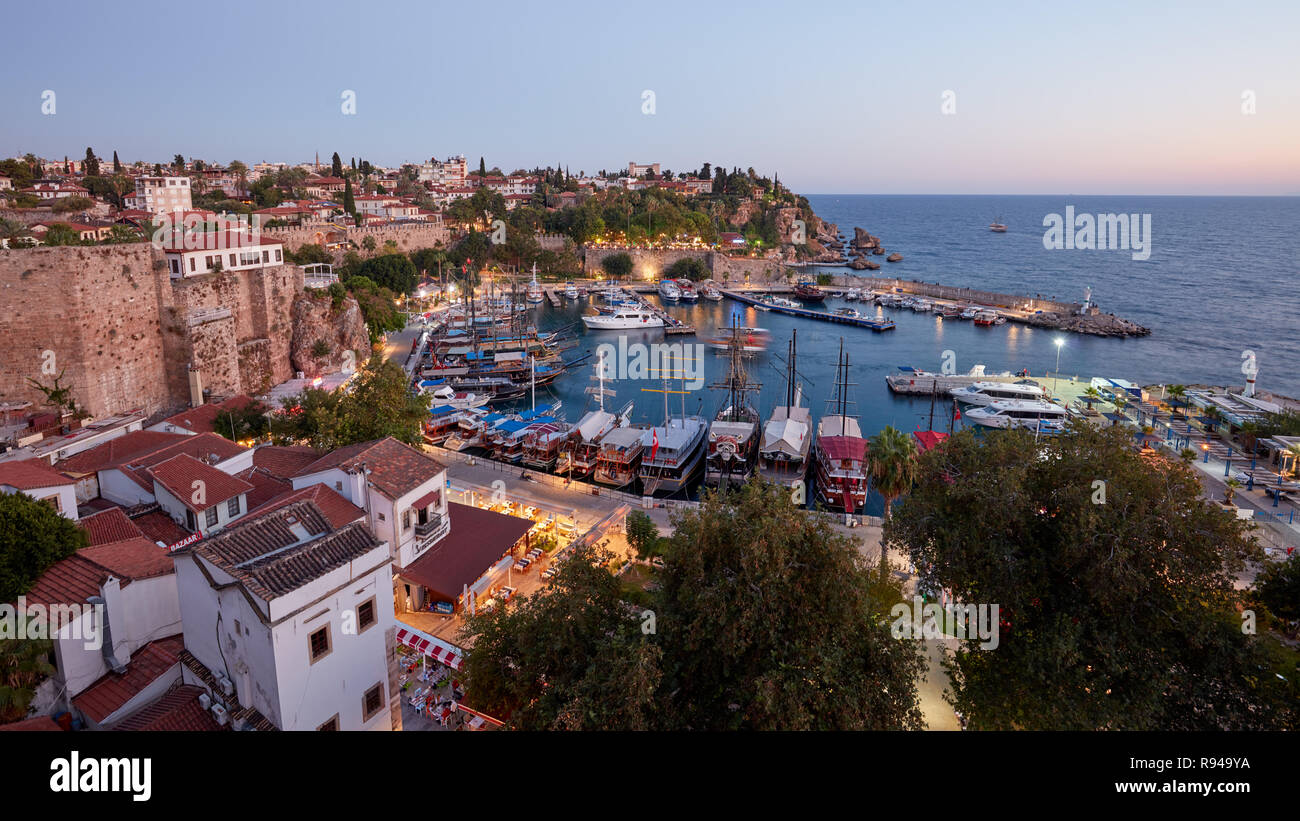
x=986, y=393
x=623, y=319
x=571, y=291
x=446, y=395
x=710, y=291
x=970, y=313
x=669, y=290
x=1029, y=414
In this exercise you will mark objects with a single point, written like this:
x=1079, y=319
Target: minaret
x=317, y=162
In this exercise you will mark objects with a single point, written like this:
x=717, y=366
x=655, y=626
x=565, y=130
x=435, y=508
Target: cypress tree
x=349, y=204
x=117, y=166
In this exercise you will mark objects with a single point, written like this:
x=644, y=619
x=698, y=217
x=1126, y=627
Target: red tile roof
x=478, y=538
x=38, y=724
x=30, y=474
x=177, y=711
x=180, y=473
x=202, y=418
x=151, y=662
x=269, y=559
x=108, y=526
x=160, y=527
x=396, y=468
x=265, y=486
x=118, y=451
x=137, y=558
x=67, y=581
x=338, y=511
x=283, y=462
x=928, y=439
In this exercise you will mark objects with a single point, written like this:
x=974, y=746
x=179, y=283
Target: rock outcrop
x=324, y=335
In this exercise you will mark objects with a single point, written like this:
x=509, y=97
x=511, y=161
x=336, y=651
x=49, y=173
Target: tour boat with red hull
x=808, y=292
x=841, y=451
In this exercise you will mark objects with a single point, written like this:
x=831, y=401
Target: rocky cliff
x=324, y=336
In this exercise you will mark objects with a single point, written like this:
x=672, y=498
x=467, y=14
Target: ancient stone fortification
x=125, y=335
x=651, y=264
x=408, y=237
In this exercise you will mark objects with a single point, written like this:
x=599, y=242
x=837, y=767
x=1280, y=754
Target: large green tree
x=764, y=618
x=33, y=536
x=1113, y=578
x=395, y=272
x=375, y=404
x=617, y=266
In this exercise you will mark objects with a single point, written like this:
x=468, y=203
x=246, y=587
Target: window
x=372, y=702
x=277, y=254
x=211, y=516
x=189, y=520
x=266, y=256
x=381, y=517
x=338, y=486
x=318, y=644
x=191, y=263
x=330, y=726
x=232, y=507
x=53, y=501
x=406, y=519
x=366, y=617
x=232, y=260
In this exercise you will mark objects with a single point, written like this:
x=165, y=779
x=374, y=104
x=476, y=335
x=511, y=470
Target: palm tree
x=24, y=664
x=1090, y=396
x=1230, y=488
x=892, y=464
x=1176, y=392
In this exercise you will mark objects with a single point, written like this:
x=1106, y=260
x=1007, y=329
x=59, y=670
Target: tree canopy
x=375, y=404
x=1114, y=583
x=33, y=536
x=765, y=618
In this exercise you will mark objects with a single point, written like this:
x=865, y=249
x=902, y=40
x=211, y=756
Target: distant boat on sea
x=998, y=226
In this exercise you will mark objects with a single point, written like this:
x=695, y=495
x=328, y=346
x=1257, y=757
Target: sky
x=835, y=97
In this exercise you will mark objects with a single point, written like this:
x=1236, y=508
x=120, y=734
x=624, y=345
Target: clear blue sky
x=1092, y=97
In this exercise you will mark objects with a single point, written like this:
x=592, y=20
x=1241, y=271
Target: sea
x=1219, y=284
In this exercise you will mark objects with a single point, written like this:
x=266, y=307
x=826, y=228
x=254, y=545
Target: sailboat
x=787, y=435
x=581, y=448
x=841, y=452
x=535, y=295
x=733, y=435
x=675, y=454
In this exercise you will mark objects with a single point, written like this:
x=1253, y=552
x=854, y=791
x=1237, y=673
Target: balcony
x=427, y=533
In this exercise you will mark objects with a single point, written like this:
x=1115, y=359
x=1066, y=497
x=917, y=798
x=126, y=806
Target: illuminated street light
x=1060, y=341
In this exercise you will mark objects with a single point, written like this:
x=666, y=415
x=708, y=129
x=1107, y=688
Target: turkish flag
x=654, y=443
x=956, y=414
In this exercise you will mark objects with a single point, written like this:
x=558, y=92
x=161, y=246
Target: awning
x=426, y=500
x=439, y=651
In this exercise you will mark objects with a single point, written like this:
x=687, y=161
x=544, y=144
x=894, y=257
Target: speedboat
x=460, y=400
x=986, y=318
x=849, y=313
x=970, y=313
x=571, y=291
x=984, y=394
x=710, y=291
x=623, y=319
x=1029, y=414
x=668, y=290
x=686, y=290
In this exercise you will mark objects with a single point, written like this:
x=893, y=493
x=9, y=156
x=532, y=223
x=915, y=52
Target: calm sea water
x=1222, y=278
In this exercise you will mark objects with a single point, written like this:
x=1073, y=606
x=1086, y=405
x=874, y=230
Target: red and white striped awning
x=439, y=651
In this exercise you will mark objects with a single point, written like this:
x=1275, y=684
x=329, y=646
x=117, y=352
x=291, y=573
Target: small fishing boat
x=806, y=291
x=998, y=226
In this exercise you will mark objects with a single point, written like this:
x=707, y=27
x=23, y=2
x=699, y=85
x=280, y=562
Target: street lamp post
x=1060, y=341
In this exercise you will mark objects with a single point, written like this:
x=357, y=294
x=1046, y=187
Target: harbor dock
x=871, y=323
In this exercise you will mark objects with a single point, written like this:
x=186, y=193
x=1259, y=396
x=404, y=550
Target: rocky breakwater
x=864, y=245
x=1096, y=324
x=327, y=336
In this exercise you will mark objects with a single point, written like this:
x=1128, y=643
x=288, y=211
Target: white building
x=38, y=480
x=400, y=488
x=290, y=615
x=194, y=253
x=159, y=195
x=640, y=169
